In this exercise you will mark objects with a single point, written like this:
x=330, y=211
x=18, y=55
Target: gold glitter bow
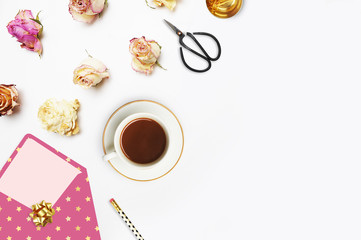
x=42, y=213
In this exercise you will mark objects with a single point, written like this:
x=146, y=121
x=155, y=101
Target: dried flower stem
x=88, y=53
x=158, y=64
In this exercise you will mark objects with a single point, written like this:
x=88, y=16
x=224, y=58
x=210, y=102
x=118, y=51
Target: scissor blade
x=175, y=29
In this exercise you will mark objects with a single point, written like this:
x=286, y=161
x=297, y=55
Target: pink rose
x=86, y=10
x=145, y=54
x=27, y=30
x=8, y=97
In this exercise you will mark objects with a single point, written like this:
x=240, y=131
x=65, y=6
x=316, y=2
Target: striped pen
x=126, y=220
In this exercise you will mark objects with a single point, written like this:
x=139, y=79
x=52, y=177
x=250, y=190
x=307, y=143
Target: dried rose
x=86, y=10
x=27, y=30
x=8, y=97
x=145, y=54
x=90, y=72
x=170, y=4
x=60, y=116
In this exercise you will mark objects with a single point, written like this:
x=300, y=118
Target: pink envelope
x=37, y=172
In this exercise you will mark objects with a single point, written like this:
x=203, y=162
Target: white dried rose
x=60, y=116
x=90, y=73
x=86, y=10
x=145, y=54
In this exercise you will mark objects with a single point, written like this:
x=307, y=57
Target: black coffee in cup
x=143, y=140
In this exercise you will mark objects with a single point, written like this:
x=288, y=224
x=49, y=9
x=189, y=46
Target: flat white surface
x=272, y=132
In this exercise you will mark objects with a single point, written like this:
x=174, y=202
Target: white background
x=272, y=132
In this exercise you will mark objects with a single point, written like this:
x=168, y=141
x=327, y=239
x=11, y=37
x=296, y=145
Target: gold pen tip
x=115, y=205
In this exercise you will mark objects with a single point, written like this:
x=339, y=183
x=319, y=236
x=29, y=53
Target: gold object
x=224, y=8
x=126, y=220
x=115, y=205
x=42, y=214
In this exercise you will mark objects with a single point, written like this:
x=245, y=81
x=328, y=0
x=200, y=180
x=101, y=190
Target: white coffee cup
x=118, y=153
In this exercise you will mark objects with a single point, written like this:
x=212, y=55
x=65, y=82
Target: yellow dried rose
x=60, y=116
x=170, y=4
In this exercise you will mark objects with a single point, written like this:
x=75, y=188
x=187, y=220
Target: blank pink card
x=36, y=174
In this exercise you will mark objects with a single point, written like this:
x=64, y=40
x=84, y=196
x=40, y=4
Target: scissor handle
x=206, y=56
x=181, y=42
x=204, y=51
x=193, y=69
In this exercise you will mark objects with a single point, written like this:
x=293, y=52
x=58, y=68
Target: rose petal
x=24, y=14
x=97, y=6
x=155, y=49
x=31, y=43
x=142, y=68
x=31, y=26
x=82, y=17
x=95, y=63
x=16, y=30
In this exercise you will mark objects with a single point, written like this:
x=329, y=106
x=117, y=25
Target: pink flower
x=86, y=10
x=31, y=43
x=145, y=54
x=27, y=30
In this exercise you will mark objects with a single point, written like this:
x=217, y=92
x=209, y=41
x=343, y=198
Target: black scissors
x=204, y=56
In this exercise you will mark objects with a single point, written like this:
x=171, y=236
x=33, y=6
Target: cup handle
x=110, y=156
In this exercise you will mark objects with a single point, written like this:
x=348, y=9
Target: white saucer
x=175, y=139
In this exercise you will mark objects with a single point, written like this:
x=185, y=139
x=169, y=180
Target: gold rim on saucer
x=106, y=125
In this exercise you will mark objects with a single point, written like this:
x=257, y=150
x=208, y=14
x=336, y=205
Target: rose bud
x=86, y=10
x=90, y=72
x=145, y=54
x=27, y=30
x=8, y=97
